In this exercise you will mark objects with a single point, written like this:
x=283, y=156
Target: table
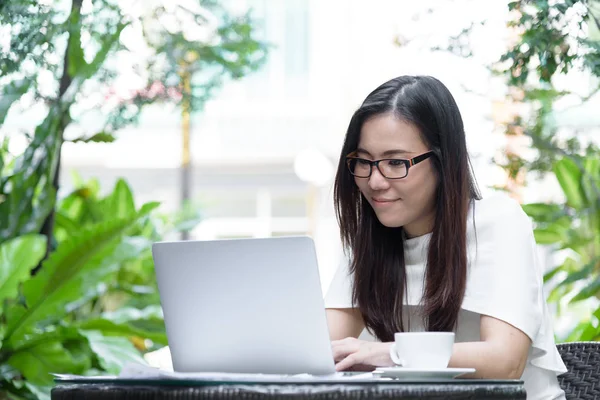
x=175, y=390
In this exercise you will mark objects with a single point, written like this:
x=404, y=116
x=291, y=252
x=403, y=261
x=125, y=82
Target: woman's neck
x=420, y=227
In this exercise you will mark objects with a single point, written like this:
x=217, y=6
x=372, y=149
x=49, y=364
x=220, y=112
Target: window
x=285, y=26
x=296, y=56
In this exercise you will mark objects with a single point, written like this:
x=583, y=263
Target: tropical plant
x=51, y=323
x=559, y=39
x=93, y=305
x=134, y=285
x=573, y=227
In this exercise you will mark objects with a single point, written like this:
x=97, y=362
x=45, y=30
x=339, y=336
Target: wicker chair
x=582, y=380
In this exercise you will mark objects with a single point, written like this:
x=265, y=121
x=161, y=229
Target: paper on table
x=135, y=371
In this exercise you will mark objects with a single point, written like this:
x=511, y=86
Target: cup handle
x=394, y=356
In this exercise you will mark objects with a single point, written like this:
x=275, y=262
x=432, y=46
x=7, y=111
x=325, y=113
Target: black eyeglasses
x=390, y=168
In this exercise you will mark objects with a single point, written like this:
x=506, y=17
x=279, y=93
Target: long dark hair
x=377, y=253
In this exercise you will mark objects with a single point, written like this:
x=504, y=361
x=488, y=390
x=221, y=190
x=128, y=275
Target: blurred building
x=327, y=56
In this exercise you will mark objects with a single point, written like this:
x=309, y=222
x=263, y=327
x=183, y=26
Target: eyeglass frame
x=407, y=163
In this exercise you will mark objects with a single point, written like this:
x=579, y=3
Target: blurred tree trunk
x=65, y=82
x=186, y=159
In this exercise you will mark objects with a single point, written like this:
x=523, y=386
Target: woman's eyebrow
x=386, y=153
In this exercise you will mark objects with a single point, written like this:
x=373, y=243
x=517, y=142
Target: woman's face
x=407, y=202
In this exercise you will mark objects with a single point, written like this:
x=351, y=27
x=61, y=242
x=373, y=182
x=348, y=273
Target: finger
x=342, y=351
x=348, y=362
x=361, y=368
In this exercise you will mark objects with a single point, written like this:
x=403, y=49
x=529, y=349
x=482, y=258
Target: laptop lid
x=244, y=305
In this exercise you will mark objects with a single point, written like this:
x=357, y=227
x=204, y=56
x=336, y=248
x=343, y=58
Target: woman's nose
x=377, y=181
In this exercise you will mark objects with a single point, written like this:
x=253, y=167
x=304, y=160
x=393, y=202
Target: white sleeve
x=504, y=279
x=339, y=293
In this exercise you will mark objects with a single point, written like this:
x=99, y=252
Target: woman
x=426, y=253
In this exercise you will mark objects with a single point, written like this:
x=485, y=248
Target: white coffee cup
x=427, y=350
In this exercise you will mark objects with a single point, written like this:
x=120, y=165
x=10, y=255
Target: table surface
x=173, y=389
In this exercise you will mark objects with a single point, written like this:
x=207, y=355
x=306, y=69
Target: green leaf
x=120, y=202
x=37, y=363
x=76, y=59
x=133, y=247
x=81, y=355
x=588, y=291
x=547, y=236
x=583, y=272
x=18, y=257
x=550, y=274
x=147, y=323
x=3, y=159
x=11, y=93
x=81, y=205
x=109, y=41
x=64, y=226
x=589, y=333
x=557, y=293
x=591, y=180
x=187, y=218
x=100, y=137
x=113, y=353
x=76, y=179
x=126, y=315
x=148, y=207
x=69, y=274
x=29, y=193
x=578, y=240
x=597, y=314
x=542, y=212
x=61, y=332
x=584, y=331
x=592, y=165
x=569, y=177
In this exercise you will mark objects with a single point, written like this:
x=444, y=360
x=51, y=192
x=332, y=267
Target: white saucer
x=421, y=373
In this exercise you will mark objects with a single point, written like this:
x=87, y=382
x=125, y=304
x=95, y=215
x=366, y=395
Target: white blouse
x=504, y=281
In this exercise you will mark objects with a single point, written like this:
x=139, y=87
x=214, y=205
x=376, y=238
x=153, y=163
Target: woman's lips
x=383, y=202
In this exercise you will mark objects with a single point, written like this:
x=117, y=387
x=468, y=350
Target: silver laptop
x=244, y=305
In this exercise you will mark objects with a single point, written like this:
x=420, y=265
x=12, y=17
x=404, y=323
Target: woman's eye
x=395, y=163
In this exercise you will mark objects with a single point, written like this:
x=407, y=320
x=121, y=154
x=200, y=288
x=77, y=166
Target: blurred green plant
x=548, y=39
x=54, y=322
x=193, y=49
x=134, y=285
x=76, y=44
x=573, y=227
x=94, y=304
x=77, y=287
x=554, y=38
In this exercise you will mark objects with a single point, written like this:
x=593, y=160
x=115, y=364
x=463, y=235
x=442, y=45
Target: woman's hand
x=360, y=355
